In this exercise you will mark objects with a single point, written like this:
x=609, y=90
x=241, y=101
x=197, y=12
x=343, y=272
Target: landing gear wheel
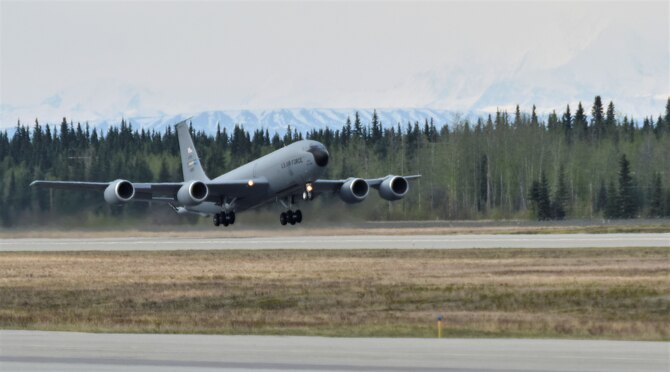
x=283, y=218
x=297, y=216
x=231, y=218
x=291, y=217
x=216, y=219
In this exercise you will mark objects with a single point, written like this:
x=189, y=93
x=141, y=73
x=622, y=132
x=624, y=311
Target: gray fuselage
x=286, y=170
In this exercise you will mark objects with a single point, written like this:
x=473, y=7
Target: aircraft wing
x=324, y=186
x=71, y=185
x=236, y=188
x=167, y=191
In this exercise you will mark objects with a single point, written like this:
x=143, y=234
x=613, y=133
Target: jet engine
x=393, y=188
x=354, y=190
x=119, y=192
x=192, y=193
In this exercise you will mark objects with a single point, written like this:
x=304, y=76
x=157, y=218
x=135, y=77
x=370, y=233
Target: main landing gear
x=224, y=218
x=291, y=217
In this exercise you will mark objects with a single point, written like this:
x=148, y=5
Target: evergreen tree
x=539, y=196
x=647, y=125
x=376, y=130
x=358, y=126
x=627, y=197
x=3, y=202
x=5, y=215
x=610, y=119
x=517, y=116
x=94, y=138
x=656, y=208
x=597, y=118
x=64, y=134
x=552, y=121
x=533, y=118
x=11, y=199
x=346, y=132
x=561, y=198
x=580, y=124
x=613, y=209
x=566, y=122
x=544, y=202
x=433, y=134
x=483, y=183
x=276, y=141
x=659, y=128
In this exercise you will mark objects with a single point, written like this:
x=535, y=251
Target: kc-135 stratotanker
x=281, y=176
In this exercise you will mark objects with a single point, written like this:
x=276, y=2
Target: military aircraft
x=280, y=176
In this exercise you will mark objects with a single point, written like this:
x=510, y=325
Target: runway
x=64, y=351
x=344, y=242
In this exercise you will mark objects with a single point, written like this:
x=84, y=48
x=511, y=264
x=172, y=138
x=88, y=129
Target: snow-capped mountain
x=279, y=120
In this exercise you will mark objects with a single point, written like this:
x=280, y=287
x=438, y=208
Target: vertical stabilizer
x=190, y=163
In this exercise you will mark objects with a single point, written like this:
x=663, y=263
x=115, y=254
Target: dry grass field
x=576, y=293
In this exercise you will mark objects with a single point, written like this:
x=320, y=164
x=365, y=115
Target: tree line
x=504, y=165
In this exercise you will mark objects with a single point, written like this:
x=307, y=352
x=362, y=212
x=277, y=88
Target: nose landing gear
x=307, y=194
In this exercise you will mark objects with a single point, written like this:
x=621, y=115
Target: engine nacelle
x=192, y=193
x=393, y=188
x=354, y=190
x=119, y=192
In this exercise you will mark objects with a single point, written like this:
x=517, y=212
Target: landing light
x=309, y=187
x=250, y=183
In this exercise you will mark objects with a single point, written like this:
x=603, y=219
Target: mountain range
x=280, y=120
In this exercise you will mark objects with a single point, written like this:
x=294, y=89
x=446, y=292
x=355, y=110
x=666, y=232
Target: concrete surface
x=64, y=351
x=343, y=242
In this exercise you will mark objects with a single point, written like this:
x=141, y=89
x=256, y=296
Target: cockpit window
x=320, y=155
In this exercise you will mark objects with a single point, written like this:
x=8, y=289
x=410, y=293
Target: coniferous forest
x=578, y=162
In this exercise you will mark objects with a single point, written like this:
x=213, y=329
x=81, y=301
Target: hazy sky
x=100, y=58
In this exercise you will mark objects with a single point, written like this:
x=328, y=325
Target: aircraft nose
x=320, y=155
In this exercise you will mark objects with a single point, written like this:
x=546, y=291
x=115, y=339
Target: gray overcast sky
x=102, y=58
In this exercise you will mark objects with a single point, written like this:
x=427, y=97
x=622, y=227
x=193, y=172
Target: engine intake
x=354, y=190
x=192, y=193
x=119, y=192
x=393, y=188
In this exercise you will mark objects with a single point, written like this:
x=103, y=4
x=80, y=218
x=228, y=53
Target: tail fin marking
x=190, y=162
